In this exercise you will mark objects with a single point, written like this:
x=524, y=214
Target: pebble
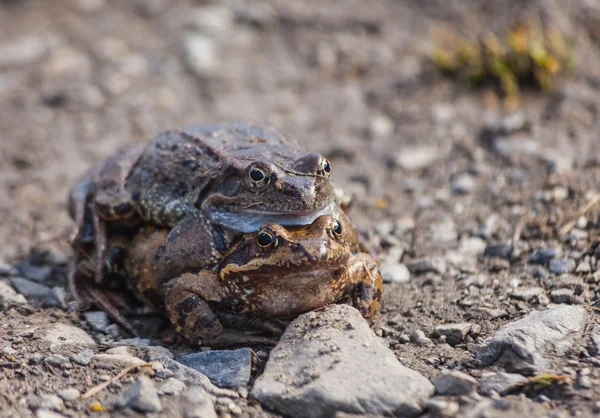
x=69, y=394
x=381, y=126
x=133, y=342
x=463, y=184
x=35, y=292
x=58, y=361
x=419, y=338
x=561, y=295
x=83, y=358
x=60, y=336
x=427, y=265
x=200, y=54
x=196, y=403
x=51, y=402
x=395, y=273
x=156, y=352
x=193, y=377
x=97, y=320
x=331, y=360
x=115, y=361
x=224, y=368
x=500, y=383
x=416, y=158
x=45, y=413
x=38, y=274
x=527, y=294
x=23, y=51
x=171, y=386
x=8, y=296
x=584, y=382
x=454, y=383
x=521, y=346
x=562, y=265
x=472, y=246
x=594, y=341
x=454, y=333
x=440, y=407
x=499, y=250
x=142, y=396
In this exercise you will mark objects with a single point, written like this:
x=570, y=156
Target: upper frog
x=238, y=175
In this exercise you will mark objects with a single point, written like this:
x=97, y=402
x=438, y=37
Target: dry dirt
x=346, y=79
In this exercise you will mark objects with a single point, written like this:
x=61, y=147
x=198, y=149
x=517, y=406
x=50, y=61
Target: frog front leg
x=366, y=286
x=187, y=303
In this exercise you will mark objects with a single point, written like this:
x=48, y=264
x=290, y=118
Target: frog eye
x=266, y=240
x=325, y=169
x=258, y=177
x=336, y=230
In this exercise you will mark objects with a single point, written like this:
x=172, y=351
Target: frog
x=208, y=183
x=263, y=281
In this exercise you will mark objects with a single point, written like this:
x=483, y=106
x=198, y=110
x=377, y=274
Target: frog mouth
x=251, y=220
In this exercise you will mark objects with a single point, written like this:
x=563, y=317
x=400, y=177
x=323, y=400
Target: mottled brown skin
x=210, y=182
x=256, y=286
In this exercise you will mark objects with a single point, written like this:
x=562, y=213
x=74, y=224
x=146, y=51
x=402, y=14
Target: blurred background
x=419, y=104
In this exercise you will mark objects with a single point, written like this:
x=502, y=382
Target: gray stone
x=23, y=51
x=97, y=320
x=83, y=358
x=58, y=361
x=171, y=386
x=498, y=250
x=35, y=292
x=133, y=342
x=331, y=360
x=69, y=394
x=224, y=368
x=116, y=361
x=520, y=346
x=562, y=265
x=454, y=383
x=142, y=396
x=193, y=377
x=543, y=255
x=594, y=341
x=419, y=338
x=527, y=294
x=155, y=352
x=500, y=383
x=51, y=402
x=454, y=333
x=9, y=297
x=395, y=273
x=60, y=336
x=440, y=407
x=416, y=158
x=45, y=413
x=427, y=265
x=36, y=273
x=463, y=184
x=561, y=295
x=200, y=54
x=196, y=403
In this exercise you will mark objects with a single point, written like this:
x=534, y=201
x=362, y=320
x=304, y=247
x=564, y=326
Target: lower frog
x=267, y=277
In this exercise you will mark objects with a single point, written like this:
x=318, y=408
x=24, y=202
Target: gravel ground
x=485, y=222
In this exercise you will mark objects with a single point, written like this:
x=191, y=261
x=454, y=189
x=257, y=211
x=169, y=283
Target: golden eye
x=336, y=230
x=325, y=168
x=266, y=240
x=258, y=176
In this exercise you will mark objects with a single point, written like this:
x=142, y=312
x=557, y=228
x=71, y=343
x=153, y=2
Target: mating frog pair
x=221, y=225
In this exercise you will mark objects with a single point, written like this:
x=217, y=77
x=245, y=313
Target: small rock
x=454, y=383
x=58, y=361
x=500, y=383
x=443, y=112
x=594, y=341
x=9, y=297
x=38, y=274
x=381, y=126
x=440, y=407
x=427, y=265
x=132, y=342
x=52, y=402
x=61, y=336
x=584, y=382
x=335, y=348
x=83, y=358
x=463, y=184
x=121, y=350
x=156, y=352
x=45, y=413
x=561, y=295
x=224, y=368
x=395, y=273
x=196, y=403
x=454, y=333
x=69, y=394
x=35, y=292
x=97, y=320
x=562, y=265
x=142, y=396
x=418, y=337
x=171, y=386
x=543, y=255
x=520, y=346
x=193, y=377
x=115, y=361
x=200, y=54
x=527, y=294
x=416, y=158
x=23, y=51
x=499, y=250
x=472, y=246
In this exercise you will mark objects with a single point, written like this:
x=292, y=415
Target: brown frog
x=267, y=277
x=211, y=182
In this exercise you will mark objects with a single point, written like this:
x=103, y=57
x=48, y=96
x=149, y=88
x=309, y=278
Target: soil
x=350, y=81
